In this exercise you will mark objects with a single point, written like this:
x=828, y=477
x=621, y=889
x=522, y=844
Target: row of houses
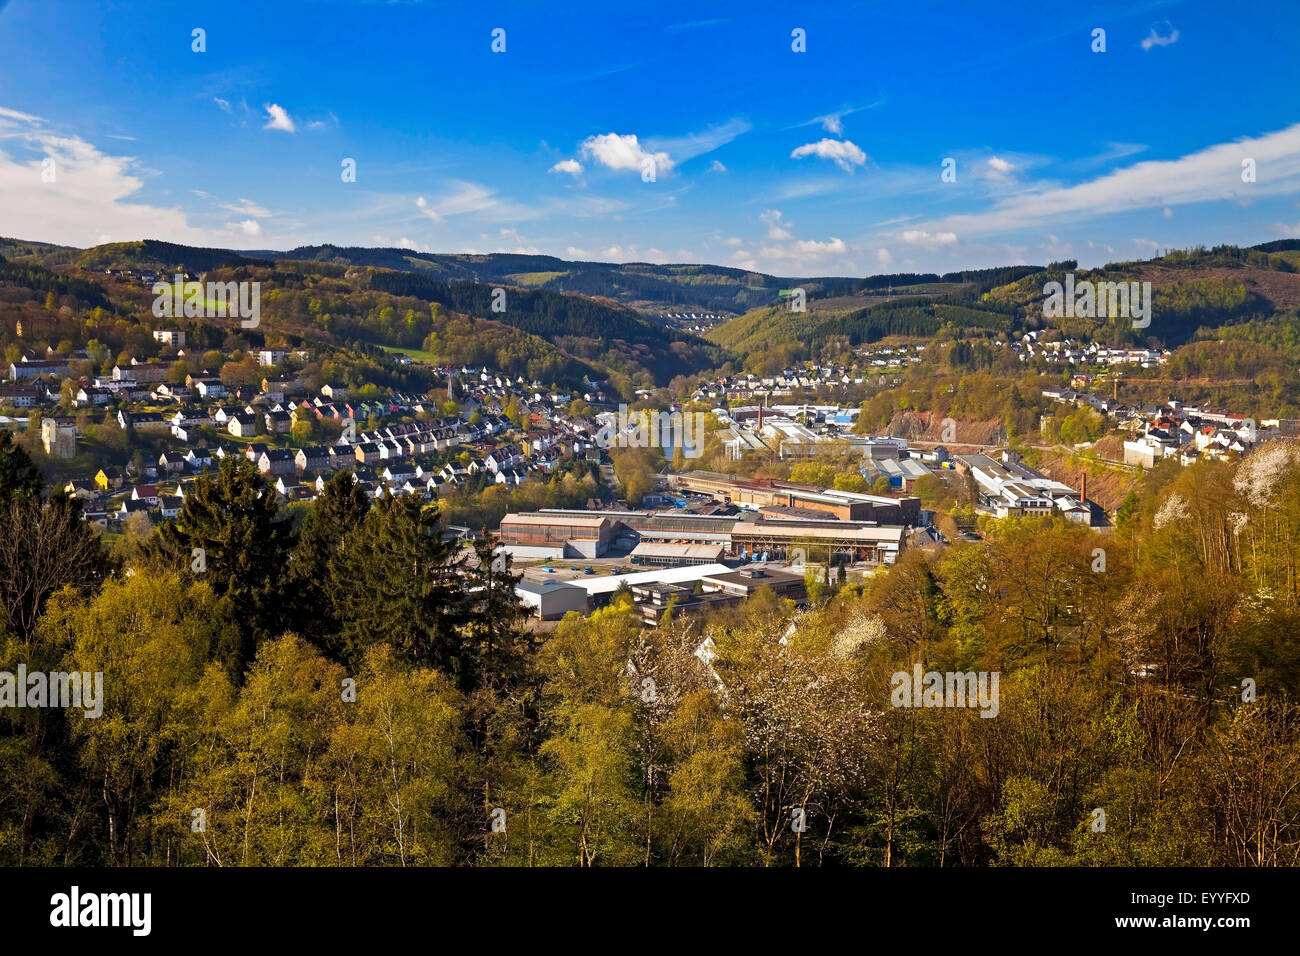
x=1066, y=351
x=809, y=378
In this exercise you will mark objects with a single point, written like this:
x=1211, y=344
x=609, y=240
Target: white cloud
x=842, y=152
x=1162, y=34
x=814, y=249
x=884, y=258
x=920, y=237
x=1167, y=213
x=91, y=196
x=422, y=204
x=223, y=104
x=249, y=227
x=782, y=253
x=624, y=153
x=717, y=167
x=833, y=123
x=1001, y=166
x=570, y=166
x=278, y=118
x=776, y=228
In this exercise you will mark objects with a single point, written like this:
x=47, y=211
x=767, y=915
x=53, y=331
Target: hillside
x=563, y=337
x=1196, y=293
x=650, y=288
x=344, y=321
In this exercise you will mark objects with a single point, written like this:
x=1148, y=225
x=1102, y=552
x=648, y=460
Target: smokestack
x=760, y=418
x=1083, y=488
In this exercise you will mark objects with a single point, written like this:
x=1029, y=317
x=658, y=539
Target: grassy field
x=531, y=279
x=416, y=355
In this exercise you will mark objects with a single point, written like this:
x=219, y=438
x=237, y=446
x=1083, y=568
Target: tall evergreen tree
x=19, y=476
x=231, y=533
x=341, y=506
x=497, y=644
x=398, y=582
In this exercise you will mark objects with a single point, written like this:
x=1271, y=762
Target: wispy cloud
x=478, y=201
x=999, y=169
x=246, y=207
x=683, y=148
x=1162, y=34
x=692, y=25
x=1213, y=173
x=833, y=122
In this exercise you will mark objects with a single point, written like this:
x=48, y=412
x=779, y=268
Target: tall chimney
x=1083, y=488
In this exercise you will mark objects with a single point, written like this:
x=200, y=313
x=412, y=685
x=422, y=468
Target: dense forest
x=356, y=689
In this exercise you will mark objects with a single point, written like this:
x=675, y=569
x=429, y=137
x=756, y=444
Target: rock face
x=929, y=426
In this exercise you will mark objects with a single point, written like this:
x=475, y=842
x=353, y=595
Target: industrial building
x=1010, y=487
x=677, y=555
x=758, y=493
x=551, y=600
x=688, y=589
x=558, y=534
x=562, y=534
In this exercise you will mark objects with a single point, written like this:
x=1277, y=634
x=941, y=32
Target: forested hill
x=580, y=324
x=1192, y=290
x=608, y=316
x=649, y=288
x=58, y=294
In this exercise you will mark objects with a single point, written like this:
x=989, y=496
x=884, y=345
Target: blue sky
x=820, y=162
